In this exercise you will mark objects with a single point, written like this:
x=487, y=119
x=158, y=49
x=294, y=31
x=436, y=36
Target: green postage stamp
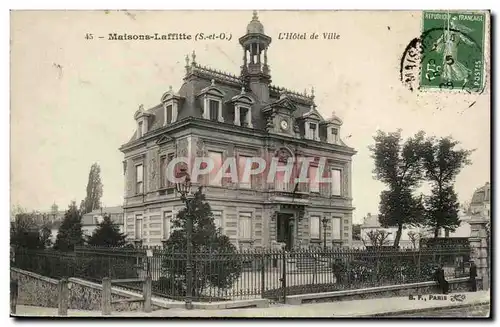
x=453, y=51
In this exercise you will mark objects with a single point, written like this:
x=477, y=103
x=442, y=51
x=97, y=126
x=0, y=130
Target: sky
x=73, y=98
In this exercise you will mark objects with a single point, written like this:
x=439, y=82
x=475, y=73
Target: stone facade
x=234, y=117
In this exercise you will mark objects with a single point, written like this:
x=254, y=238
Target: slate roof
x=201, y=77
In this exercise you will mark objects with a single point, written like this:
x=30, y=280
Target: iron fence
x=253, y=273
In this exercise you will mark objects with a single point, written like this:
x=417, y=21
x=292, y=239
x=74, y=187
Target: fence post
x=14, y=293
x=283, y=274
x=147, y=292
x=262, y=275
x=106, y=296
x=63, y=297
x=479, y=250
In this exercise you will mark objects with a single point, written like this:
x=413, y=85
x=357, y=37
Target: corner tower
x=255, y=71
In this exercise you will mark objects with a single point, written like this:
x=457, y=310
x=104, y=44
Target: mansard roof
x=201, y=79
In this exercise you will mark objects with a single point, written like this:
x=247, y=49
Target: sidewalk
x=355, y=308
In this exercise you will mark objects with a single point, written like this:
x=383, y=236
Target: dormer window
x=312, y=119
x=170, y=102
x=140, y=129
x=242, y=109
x=245, y=118
x=215, y=109
x=168, y=110
x=333, y=129
x=313, y=132
x=212, y=102
x=142, y=118
x=334, y=135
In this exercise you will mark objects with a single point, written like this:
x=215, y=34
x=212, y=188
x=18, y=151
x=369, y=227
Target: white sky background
x=63, y=120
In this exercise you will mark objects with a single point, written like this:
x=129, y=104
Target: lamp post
x=325, y=222
x=183, y=186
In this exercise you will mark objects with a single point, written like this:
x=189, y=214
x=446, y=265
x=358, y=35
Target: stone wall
x=38, y=290
x=35, y=289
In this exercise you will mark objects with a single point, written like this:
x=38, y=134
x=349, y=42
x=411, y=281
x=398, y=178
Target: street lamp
x=325, y=222
x=183, y=186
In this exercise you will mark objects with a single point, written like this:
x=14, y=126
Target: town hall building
x=219, y=115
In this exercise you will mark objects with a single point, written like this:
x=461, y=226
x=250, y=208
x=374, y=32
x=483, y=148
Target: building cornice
x=229, y=128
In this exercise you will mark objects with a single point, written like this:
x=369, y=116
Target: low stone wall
x=457, y=285
x=34, y=289
x=38, y=290
x=85, y=295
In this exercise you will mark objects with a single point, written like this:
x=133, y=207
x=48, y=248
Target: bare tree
x=415, y=238
x=378, y=237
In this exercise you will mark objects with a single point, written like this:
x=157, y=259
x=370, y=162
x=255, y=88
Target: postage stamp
x=452, y=50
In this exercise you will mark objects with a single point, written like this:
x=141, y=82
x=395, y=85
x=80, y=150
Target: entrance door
x=284, y=230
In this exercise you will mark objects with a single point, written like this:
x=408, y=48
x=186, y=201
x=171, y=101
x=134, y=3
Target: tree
x=442, y=162
x=25, y=232
x=45, y=236
x=54, y=208
x=82, y=207
x=70, y=233
x=207, y=241
x=15, y=210
x=415, y=238
x=107, y=234
x=399, y=166
x=94, y=189
x=378, y=237
x=441, y=210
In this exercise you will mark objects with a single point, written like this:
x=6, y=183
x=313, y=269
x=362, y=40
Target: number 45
x=89, y=36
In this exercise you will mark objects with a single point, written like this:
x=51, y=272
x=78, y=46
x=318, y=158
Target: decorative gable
x=212, y=90
x=242, y=98
x=164, y=139
x=312, y=114
x=284, y=102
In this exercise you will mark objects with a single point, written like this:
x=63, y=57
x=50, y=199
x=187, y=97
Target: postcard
x=256, y=163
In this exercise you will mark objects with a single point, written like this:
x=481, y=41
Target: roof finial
x=187, y=60
x=312, y=92
x=141, y=107
x=193, y=56
x=242, y=90
x=213, y=82
x=170, y=88
x=255, y=16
